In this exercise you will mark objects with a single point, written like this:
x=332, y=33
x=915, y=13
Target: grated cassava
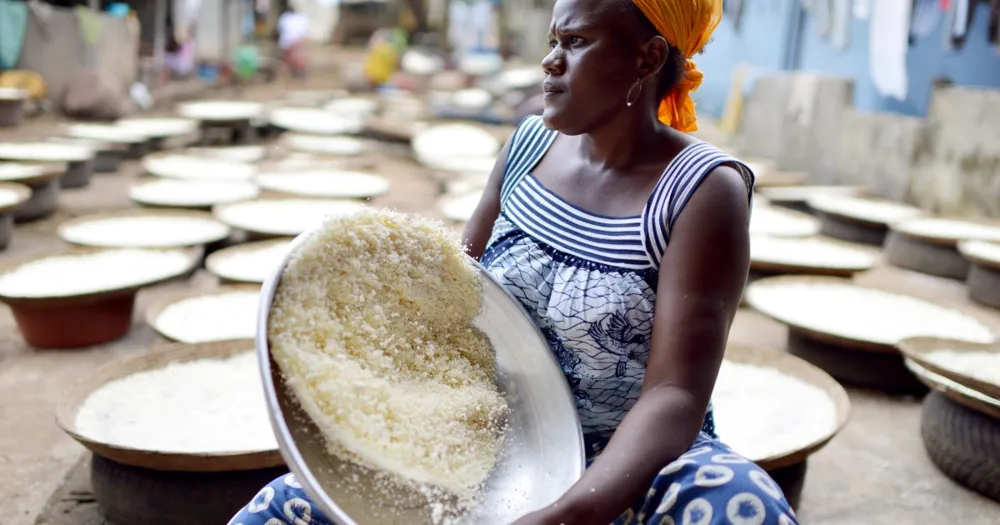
x=86, y=273
x=372, y=329
x=203, y=406
x=211, y=317
x=761, y=412
x=862, y=314
x=143, y=231
x=982, y=365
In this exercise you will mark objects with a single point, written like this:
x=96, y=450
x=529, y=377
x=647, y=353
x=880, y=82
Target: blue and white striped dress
x=589, y=282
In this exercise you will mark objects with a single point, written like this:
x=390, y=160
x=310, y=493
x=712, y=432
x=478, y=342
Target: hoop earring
x=629, y=99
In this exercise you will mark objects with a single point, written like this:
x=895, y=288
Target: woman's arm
x=477, y=230
x=704, y=272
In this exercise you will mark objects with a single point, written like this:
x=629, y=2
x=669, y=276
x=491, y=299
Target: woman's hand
x=550, y=515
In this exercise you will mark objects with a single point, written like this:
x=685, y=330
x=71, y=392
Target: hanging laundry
x=862, y=9
x=91, y=24
x=959, y=21
x=822, y=9
x=889, y=34
x=994, y=29
x=841, y=24
x=926, y=17
x=13, y=24
x=733, y=9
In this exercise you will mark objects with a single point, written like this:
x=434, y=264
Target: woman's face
x=594, y=61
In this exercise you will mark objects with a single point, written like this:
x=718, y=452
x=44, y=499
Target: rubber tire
x=984, y=285
x=851, y=231
x=791, y=479
x=919, y=256
x=963, y=444
x=883, y=372
x=129, y=495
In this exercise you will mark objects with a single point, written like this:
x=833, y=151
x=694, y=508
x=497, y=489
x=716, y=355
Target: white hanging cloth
x=862, y=9
x=841, y=23
x=889, y=41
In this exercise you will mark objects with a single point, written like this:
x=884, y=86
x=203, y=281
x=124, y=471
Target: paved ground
x=875, y=472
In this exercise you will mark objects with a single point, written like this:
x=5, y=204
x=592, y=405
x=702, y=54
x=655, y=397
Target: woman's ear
x=653, y=55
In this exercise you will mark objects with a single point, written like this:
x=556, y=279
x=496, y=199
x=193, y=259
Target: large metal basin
x=543, y=453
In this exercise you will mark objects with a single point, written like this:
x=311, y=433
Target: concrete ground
x=874, y=472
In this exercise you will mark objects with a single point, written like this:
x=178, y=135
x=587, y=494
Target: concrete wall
x=773, y=35
x=948, y=162
x=54, y=47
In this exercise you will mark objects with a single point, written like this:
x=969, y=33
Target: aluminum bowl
x=543, y=453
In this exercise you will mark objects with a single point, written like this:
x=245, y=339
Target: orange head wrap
x=686, y=25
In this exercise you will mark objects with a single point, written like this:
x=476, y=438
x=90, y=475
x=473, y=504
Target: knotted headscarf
x=686, y=25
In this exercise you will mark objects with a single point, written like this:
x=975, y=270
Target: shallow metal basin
x=543, y=453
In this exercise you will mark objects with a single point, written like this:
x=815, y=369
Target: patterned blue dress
x=589, y=282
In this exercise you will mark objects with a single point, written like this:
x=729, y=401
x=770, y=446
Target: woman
x=293, y=27
x=585, y=206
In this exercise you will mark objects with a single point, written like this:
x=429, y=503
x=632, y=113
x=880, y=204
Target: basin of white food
x=877, y=212
x=198, y=194
x=460, y=209
x=248, y=263
x=327, y=183
x=84, y=297
x=776, y=409
x=144, y=229
x=188, y=167
x=227, y=313
x=159, y=128
x=220, y=110
x=353, y=107
x=778, y=222
x=281, y=217
x=339, y=146
x=807, y=255
x=188, y=408
x=456, y=147
x=315, y=121
x=833, y=309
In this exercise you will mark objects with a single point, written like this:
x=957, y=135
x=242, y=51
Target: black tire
x=136, y=496
x=924, y=257
x=963, y=444
x=984, y=285
x=884, y=372
x=851, y=231
x=791, y=479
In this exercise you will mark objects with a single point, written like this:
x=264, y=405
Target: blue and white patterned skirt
x=708, y=485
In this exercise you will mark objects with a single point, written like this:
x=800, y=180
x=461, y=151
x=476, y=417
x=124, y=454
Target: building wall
x=773, y=36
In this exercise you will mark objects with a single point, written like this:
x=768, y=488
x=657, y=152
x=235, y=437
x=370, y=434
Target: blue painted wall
x=773, y=37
